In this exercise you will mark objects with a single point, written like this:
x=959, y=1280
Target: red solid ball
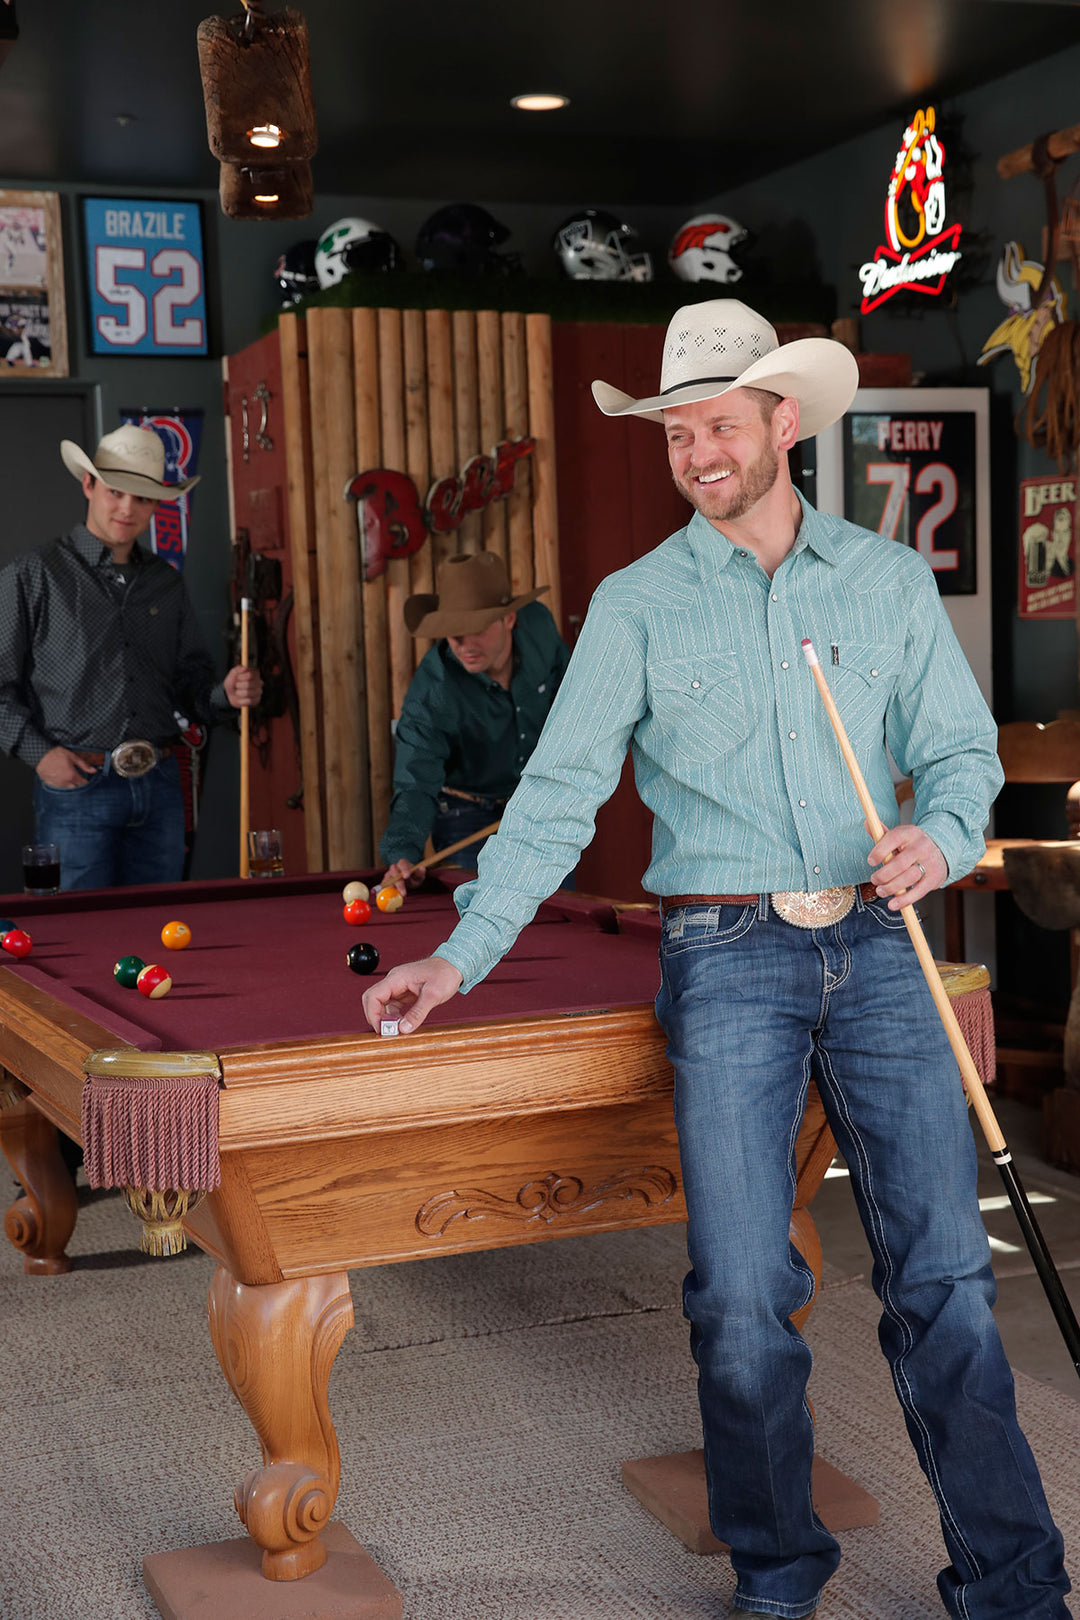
x=18, y=942
x=357, y=912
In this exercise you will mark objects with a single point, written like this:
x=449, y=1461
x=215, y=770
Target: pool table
x=539, y=1106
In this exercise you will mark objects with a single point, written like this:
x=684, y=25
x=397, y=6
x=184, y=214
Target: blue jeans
x=116, y=829
x=753, y=1008
x=457, y=818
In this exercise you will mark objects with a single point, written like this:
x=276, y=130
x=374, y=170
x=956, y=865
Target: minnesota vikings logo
x=1023, y=329
x=920, y=249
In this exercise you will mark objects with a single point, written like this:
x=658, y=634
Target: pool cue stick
x=245, y=759
x=1040, y=1254
x=452, y=849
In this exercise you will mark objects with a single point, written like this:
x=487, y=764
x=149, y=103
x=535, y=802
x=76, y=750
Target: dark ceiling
x=670, y=103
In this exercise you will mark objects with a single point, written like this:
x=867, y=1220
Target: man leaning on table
x=779, y=961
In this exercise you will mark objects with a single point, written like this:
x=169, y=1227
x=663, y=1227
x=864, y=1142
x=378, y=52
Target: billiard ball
x=18, y=942
x=357, y=912
x=6, y=925
x=154, y=981
x=355, y=891
x=362, y=958
x=176, y=936
x=389, y=899
x=127, y=971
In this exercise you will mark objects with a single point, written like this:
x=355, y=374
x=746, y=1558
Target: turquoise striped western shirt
x=692, y=657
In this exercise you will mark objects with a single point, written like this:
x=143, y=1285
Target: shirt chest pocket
x=699, y=704
x=862, y=684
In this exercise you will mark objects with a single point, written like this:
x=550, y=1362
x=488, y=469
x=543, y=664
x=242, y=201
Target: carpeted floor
x=483, y=1404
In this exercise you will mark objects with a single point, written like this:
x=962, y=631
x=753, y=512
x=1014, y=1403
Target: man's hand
x=402, y=876
x=410, y=992
x=910, y=866
x=65, y=768
x=243, y=686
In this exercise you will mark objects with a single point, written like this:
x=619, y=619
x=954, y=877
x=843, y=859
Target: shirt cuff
x=31, y=747
x=962, y=852
x=468, y=963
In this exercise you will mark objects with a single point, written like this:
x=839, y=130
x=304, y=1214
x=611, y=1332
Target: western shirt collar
x=712, y=550
x=96, y=552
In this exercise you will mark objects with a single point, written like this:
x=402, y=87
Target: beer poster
x=1047, y=548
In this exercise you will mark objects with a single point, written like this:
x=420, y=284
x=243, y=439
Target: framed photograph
x=33, y=318
x=145, y=280
x=913, y=464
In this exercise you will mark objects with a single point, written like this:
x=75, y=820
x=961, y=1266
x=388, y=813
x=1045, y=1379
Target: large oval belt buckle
x=818, y=909
x=134, y=758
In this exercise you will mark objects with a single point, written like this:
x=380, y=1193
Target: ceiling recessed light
x=539, y=102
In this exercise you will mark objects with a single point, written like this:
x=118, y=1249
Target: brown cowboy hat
x=472, y=592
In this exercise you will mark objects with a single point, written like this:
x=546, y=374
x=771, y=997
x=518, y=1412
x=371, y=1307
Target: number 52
x=131, y=327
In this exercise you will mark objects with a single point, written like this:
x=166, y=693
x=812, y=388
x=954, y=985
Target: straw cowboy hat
x=131, y=459
x=721, y=344
x=471, y=593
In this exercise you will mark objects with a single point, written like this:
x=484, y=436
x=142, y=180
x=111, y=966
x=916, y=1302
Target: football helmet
x=596, y=246
x=706, y=249
x=295, y=272
x=354, y=244
x=465, y=237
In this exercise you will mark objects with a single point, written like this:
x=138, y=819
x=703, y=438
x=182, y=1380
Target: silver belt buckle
x=818, y=909
x=134, y=758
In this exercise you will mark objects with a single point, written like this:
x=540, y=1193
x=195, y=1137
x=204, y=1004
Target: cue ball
x=127, y=970
x=389, y=899
x=355, y=891
x=362, y=958
x=176, y=936
x=357, y=912
x=154, y=981
x=18, y=942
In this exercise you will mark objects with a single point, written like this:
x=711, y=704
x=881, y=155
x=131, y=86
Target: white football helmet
x=701, y=250
x=354, y=244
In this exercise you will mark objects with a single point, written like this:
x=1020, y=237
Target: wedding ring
x=921, y=867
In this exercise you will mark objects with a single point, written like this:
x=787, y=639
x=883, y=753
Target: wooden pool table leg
x=40, y=1224
x=276, y=1344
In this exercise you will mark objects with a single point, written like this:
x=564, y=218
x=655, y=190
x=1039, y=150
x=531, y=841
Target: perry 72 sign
x=145, y=278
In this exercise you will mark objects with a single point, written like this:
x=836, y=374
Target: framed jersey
x=145, y=278
x=913, y=464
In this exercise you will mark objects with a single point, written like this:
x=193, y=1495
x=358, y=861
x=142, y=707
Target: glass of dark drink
x=41, y=868
x=265, y=858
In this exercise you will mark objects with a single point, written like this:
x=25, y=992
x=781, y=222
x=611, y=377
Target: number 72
x=896, y=476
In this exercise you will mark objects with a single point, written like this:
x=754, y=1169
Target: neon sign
x=921, y=249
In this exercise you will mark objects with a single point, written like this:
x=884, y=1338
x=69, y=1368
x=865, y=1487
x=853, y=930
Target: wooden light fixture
x=260, y=116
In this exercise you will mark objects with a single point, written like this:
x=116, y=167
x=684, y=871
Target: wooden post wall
x=419, y=392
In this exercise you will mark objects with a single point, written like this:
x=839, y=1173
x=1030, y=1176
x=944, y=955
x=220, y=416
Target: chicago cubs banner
x=181, y=433
x=145, y=278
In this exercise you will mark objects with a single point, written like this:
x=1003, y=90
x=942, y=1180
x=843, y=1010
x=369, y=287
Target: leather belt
x=133, y=758
x=473, y=798
x=816, y=909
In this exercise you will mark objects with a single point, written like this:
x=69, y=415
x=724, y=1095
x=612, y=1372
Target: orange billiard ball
x=176, y=936
x=357, y=912
x=389, y=899
x=154, y=981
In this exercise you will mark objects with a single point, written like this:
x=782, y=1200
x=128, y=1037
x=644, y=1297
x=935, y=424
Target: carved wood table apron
x=537, y=1107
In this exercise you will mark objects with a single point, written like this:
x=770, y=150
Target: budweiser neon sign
x=920, y=249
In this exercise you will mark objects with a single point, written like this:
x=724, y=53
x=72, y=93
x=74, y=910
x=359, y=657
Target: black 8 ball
x=362, y=958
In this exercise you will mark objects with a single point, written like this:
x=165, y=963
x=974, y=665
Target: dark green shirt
x=466, y=731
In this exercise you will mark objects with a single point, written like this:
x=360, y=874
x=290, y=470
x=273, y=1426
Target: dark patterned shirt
x=92, y=653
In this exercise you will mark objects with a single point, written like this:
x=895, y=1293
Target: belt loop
x=860, y=903
x=763, y=907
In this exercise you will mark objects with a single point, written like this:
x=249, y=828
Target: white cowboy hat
x=131, y=459
x=721, y=344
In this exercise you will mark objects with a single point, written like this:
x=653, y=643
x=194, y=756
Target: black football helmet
x=295, y=273
x=596, y=246
x=464, y=237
